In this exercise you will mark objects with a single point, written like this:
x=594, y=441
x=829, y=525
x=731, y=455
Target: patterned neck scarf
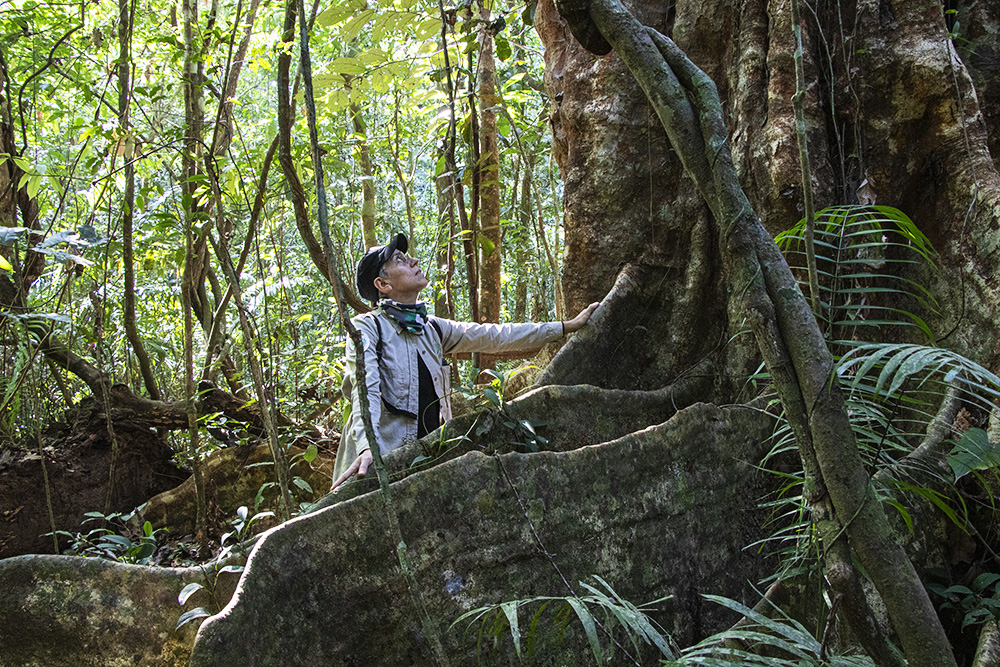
x=411, y=316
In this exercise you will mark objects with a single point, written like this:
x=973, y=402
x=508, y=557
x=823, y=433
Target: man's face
x=401, y=278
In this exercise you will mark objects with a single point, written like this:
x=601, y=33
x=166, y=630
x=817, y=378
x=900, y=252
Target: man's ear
x=382, y=285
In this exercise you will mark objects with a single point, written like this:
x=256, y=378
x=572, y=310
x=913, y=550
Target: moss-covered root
x=666, y=510
x=86, y=612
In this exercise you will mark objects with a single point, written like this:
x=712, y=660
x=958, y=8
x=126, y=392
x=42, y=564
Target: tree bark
x=487, y=166
x=364, y=158
x=794, y=351
x=124, y=95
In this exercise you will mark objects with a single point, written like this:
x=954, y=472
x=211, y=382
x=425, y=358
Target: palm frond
x=602, y=611
x=857, y=250
x=785, y=636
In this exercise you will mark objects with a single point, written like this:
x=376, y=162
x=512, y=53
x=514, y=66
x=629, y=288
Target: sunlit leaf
x=503, y=50
x=188, y=591
x=192, y=615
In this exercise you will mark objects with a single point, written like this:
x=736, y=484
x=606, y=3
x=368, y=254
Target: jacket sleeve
x=459, y=337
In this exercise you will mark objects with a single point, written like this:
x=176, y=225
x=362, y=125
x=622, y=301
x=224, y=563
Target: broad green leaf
x=984, y=580
x=335, y=14
x=120, y=540
x=503, y=50
x=373, y=57
x=974, y=451
x=188, y=591
x=491, y=394
x=528, y=15
x=428, y=28
x=486, y=245
x=33, y=184
x=353, y=27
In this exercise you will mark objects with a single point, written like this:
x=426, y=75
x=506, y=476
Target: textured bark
x=488, y=168
x=364, y=158
x=627, y=201
x=887, y=100
x=793, y=348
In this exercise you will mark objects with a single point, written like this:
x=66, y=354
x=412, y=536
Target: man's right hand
x=359, y=466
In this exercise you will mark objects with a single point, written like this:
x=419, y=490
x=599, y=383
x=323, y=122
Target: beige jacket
x=396, y=382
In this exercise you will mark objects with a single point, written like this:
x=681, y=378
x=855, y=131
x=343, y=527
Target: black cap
x=371, y=264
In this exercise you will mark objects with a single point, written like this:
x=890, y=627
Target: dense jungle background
x=781, y=423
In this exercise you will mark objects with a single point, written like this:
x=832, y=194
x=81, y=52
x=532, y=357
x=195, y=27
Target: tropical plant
x=524, y=432
x=859, y=251
x=113, y=540
x=234, y=542
x=901, y=398
x=768, y=642
x=601, y=612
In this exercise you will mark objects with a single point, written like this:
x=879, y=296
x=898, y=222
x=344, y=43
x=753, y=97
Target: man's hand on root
x=359, y=466
x=575, y=324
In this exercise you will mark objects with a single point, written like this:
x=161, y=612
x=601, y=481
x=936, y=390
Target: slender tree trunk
x=444, y=305
x=403, y=185
x=124, y=95
x=222, y=134
x=488, y=169
x=470, y=224
x=364, y=160
x=455, y=187
x=524, y=220
x=555, y=268
x=192, y=151
x=286, y=117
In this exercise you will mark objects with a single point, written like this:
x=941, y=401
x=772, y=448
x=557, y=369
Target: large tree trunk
x=895, y=109
x=891, y=114
x=627, y=202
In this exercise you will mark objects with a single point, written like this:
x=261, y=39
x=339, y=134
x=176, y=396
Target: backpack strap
x=379, y=344
x=437, y=328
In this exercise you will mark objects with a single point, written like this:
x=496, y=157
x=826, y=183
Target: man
x=407, y=376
